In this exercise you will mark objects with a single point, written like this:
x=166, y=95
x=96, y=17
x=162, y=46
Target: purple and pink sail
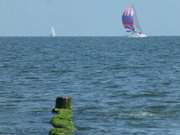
x=128, y=19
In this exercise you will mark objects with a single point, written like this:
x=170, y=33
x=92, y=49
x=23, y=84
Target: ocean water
x=119, y=86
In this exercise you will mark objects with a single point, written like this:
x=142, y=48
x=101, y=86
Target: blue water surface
x=119, y=86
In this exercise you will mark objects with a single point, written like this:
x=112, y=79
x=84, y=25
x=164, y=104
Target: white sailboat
x=53, y=32
x=131, y=23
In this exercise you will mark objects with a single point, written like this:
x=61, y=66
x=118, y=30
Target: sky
x=86, y=17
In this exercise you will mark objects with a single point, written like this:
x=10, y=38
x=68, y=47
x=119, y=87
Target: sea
x=118, y=85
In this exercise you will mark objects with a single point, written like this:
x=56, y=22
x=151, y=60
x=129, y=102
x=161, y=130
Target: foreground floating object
x=63, y=121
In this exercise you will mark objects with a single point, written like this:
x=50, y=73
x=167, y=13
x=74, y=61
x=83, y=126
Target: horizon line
x=18, y=36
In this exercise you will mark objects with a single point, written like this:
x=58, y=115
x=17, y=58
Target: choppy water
x=119, y=86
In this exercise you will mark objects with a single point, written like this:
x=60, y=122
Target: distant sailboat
x=131, y=23
x=53, y=32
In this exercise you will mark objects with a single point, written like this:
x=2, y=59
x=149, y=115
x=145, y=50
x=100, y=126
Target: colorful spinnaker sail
x=128, y=19
x=131, y=23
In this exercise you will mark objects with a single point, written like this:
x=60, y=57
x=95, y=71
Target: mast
x=137, y=24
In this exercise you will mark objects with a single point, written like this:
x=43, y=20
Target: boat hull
x=137, y=35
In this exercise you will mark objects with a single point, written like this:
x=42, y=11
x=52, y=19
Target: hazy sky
x=86, y=17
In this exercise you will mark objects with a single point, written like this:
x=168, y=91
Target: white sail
x=53, y=32
x=137, y=24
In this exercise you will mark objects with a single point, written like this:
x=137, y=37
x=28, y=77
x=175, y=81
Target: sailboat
x=53, y=32
x=131, y=23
